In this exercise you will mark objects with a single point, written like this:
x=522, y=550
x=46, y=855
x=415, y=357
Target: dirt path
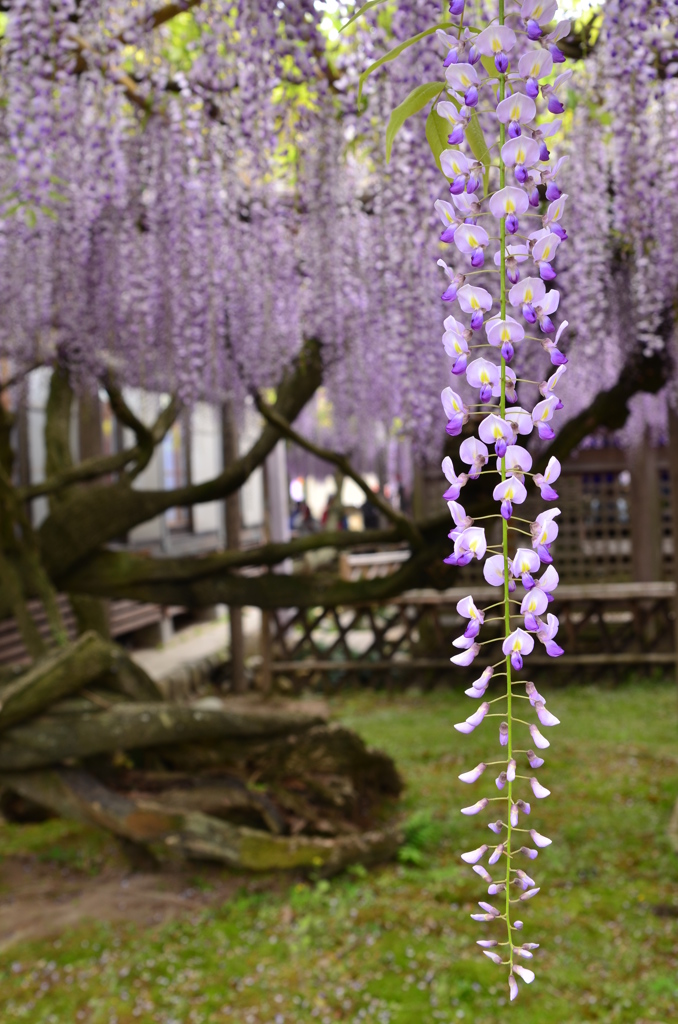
x=43, y=900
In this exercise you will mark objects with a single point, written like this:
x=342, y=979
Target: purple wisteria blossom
x=514, y=79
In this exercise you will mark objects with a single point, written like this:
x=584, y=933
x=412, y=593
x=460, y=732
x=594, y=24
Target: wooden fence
x=602, y=626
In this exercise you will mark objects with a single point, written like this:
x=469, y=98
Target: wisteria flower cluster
x=503, y=77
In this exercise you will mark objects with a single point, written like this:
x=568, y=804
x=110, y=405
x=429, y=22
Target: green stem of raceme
x=504, y=528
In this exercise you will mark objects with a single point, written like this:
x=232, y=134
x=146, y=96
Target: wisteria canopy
x=197, y=200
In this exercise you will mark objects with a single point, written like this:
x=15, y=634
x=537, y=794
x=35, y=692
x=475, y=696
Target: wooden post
x=646, y=551
x=229, y=435
x=673, y=477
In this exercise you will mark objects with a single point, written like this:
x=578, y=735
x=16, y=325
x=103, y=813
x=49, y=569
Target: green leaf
x=437, y=130
x=395, y=52
x=488, y=64
x=416, y=100
x=363, y=10
x=476, y=140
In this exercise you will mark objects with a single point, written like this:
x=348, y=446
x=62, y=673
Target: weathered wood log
x=321, y=751
x=52, y=739
x=66, y=672
x=72, y=793
x=225, y=797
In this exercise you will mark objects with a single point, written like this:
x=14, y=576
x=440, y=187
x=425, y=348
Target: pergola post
x=673, y=476
x=229, y=434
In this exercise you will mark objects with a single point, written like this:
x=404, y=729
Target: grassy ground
x=397, y=946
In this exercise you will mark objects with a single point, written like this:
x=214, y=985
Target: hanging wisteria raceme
x=513, y=198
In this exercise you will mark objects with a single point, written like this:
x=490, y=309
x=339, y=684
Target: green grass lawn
x=397, y=946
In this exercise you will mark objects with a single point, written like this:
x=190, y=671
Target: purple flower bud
x=529, y=852
x=460, y=364
x=544, y=154
x=552, y=649
x=503, y=734
x=533, y=694
x=512, y=586
x=546, y=272
x=533, y=29
x=523, y=806
x=480, y=805
x=554, y=104
x=506, y=509
x=507, y=351
x=545, y=431
x=500, y=780
x=495, y=826
x=473, y=856
x=474, y=774
x=514, y=129
x=532, y=88
x=471, y=97
x=521, y=951
x=561, y=232
x=501, y=62
x=552, y=191
x=452, y=58
x=514, y=816
x=496, y=854
x=539, y=741
x=545, y=716
x=456, y=7
x=500, y=447
x=533, y=197
x=486, y=943
x=496, y=888
x=546, y=324
x=472, y=185
x=450, y=560
x=529, y=894
x=483, y=872
x=527, y=581
x=456, y=135
x=512, y=224
x=529, y=313
x=535, y=761
x=458, y=185
x=541, y=792
x=450, y=293
x=557, y=357
x=485, y=393
x=511, y=770
x=513, y=987
x=476, y=321
x=448, y=234
x=482, y=917
x=478, y=257
x=520, y=173
x=556, y=53
x=518, y=925
x=474, y=55
x=523, y=880
x=538, y=839
x=488, y=908
x=517, y=660
x=494, y=957
x=512, y=273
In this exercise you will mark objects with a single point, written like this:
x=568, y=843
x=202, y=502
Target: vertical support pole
x=673, y=476
x=646, y=550
x=229, y=435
